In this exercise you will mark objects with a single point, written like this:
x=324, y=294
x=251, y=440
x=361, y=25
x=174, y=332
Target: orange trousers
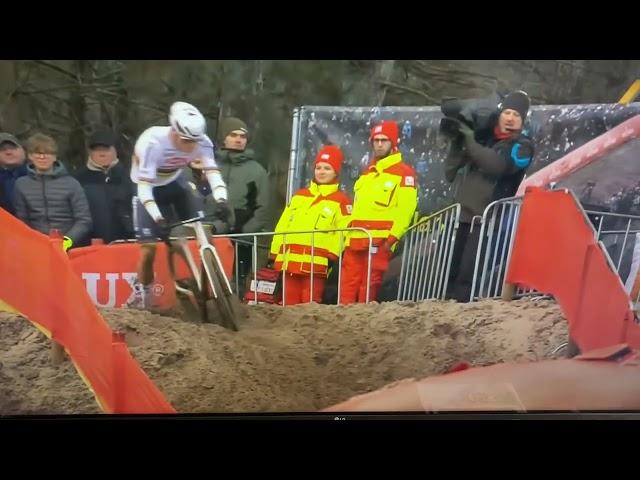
x=297, y=288
x=353, y=286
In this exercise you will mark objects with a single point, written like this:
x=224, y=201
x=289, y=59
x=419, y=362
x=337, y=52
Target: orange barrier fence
x=37, y=280
x=548, y=385
x=555, y=252
x=109, y=271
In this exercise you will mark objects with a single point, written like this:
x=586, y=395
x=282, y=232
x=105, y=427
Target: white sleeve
x=206, y=155
x=218, y=188
x=146, y=152
x=210, y=167
x=145, y=194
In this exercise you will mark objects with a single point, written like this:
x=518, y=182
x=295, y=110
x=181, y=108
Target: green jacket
x=248, y=188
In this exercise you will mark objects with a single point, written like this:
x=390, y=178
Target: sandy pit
x=294, y=359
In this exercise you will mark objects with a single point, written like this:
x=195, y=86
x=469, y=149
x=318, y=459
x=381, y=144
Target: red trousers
x=353, y=280
x=297, y=288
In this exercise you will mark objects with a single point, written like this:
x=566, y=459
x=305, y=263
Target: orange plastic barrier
x=108, y=271
x=547, y=385
x=36, y=279
x=555, y=252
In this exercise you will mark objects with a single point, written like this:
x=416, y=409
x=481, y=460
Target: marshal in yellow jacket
x=318, y=207
x=385, y=201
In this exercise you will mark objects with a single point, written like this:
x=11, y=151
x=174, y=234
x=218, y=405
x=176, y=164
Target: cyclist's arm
x=218, y=187
x=147, y=173
x=145, y=194
x=210, y=168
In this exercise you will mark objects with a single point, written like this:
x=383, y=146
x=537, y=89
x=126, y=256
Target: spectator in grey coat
x=49, y=198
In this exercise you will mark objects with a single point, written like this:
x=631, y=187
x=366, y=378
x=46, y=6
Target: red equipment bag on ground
x=269, y=286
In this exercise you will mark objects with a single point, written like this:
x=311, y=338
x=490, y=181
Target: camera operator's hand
x=222, y=211
x=450, y=127
x=465, y=131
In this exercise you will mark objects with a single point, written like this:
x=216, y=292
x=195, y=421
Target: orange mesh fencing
x=37, y=280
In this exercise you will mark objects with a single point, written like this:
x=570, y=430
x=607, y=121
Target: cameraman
x=489, y=156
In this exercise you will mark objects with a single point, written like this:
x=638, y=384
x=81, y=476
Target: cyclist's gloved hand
x=164, y=230
x=222, y=211
x=67, y=243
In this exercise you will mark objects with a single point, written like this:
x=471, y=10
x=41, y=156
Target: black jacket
x=8, y=178
x=109, y=194
x=484, y=169
x=53, y=200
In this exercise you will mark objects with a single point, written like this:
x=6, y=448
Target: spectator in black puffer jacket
x=108, y=189
x=49, y=198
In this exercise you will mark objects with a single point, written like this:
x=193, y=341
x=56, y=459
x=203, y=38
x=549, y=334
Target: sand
x=294, y=359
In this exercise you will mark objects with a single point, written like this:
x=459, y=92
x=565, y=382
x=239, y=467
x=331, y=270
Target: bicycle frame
x=204, y=244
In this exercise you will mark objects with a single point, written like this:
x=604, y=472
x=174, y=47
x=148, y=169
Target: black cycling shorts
x=175, y=201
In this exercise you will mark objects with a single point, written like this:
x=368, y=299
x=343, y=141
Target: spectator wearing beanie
x=385, y=200
x=320, y=206
x=245, y=178
x=247, y=185
x=486, y=163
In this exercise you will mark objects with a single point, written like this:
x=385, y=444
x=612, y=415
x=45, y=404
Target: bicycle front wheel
x=219, y=293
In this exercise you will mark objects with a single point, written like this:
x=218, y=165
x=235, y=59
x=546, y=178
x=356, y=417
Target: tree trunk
x=384, y=73
x=78, y=109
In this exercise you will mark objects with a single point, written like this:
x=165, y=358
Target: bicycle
x=210, y=284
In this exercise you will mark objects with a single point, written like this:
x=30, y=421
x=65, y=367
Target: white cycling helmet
x=187, y=121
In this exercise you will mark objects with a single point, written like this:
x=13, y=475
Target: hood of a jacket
x=234, y=156
x=58, y=170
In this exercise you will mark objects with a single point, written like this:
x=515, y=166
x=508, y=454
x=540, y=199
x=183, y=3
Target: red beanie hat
x=389, y=129
x=332, y=155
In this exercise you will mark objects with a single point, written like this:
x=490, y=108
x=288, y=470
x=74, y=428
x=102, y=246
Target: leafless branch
x=56, y=68
x=407, y=89
x=70, y=86
x=111, y=72
x=155, y=108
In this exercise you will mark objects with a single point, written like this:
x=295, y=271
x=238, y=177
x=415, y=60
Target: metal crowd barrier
x=497, y=233
x=428, y=245
x=614, y=229
x=427, y=254
x=618, y=234
x=498, y=226
x=240, y=238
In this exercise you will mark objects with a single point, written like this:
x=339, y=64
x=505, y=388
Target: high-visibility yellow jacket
x=385, y=199
x=318, y=207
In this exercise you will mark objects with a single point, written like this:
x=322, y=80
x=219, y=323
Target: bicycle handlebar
x=191, y=220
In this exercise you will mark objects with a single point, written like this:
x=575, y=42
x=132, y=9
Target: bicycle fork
x=210, y=274
x=185, y=253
